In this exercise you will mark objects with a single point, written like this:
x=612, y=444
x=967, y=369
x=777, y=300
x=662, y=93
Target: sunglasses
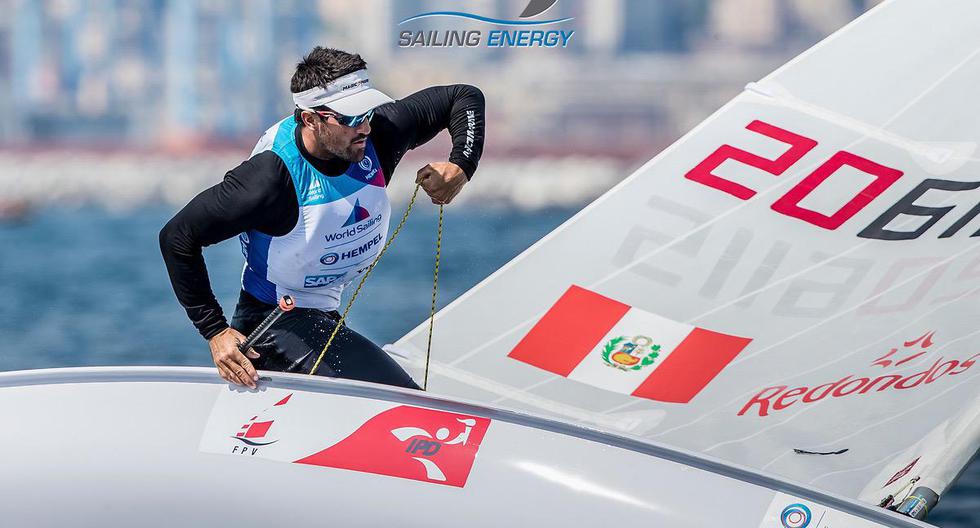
x=346, y=120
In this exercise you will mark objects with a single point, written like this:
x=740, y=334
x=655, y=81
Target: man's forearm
x=467, y=122
x=416, y=119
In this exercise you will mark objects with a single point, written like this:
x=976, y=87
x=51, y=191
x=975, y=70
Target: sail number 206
x=789, y=203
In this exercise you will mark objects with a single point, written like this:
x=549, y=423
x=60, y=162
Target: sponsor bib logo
x=354, y=229
x=319, y=281
x=357, y=251
x=357, y=214
x=315, y=191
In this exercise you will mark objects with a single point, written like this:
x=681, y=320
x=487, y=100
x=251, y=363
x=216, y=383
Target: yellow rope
x=432, y=312
x=343, y=316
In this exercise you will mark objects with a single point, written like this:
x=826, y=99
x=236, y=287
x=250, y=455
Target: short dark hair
x=323, y=65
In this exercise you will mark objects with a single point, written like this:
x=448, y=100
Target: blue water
x=88, y=287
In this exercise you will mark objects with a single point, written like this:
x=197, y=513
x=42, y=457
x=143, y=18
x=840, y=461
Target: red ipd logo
x=410, y=442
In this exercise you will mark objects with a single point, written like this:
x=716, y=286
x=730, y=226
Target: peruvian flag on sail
x=602, y=342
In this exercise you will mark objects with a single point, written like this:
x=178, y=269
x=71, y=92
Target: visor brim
x=359, y=103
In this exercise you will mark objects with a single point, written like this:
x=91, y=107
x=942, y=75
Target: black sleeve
x=405, y=124
x=258, y=194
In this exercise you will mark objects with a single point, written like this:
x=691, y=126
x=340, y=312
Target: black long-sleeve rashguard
x=259, y=194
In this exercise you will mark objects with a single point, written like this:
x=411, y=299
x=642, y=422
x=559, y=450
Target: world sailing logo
x=358, y=214
x=357, y=224
x=496, y=38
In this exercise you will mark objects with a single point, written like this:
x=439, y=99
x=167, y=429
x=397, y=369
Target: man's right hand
x=232, y=365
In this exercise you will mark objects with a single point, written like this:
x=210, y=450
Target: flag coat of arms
x=602, y=342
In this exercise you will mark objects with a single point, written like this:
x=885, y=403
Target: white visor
x=350, y=95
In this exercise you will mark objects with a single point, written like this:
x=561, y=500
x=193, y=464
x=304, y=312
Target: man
x=311, y=209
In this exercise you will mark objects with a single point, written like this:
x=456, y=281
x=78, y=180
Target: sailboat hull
x=177, y=446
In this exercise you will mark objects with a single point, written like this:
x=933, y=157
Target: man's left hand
x=441, y=181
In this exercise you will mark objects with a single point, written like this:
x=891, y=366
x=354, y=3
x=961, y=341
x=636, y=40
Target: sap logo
x=428, y=445
x=319, y=281
x=329, y=259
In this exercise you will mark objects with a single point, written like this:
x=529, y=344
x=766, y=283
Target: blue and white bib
x=342, y=226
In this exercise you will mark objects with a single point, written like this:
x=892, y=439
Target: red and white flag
x=602, y=342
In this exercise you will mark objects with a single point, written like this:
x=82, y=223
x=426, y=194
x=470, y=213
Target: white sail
x=803, y=264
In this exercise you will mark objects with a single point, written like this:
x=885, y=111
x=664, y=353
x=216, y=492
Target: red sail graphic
x=412, y=443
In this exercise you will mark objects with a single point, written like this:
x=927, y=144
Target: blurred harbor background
x=124, y=103
x=113, y=114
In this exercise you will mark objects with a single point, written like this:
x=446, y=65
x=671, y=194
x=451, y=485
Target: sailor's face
x=344, y=142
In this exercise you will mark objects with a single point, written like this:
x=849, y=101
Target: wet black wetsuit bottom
x=294, y=342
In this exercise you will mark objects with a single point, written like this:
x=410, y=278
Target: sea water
x=88, y=287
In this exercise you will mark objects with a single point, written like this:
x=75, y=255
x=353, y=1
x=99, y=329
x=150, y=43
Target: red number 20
x=788, y=204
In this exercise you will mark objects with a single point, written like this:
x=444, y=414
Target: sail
x=792, y=286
